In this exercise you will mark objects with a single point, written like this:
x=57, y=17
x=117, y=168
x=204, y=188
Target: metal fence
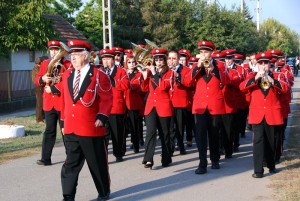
x=15, y=85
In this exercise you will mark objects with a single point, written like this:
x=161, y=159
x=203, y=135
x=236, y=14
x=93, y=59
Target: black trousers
x=190, y=125
x=179, y=116
x=228, y=133
x=52, y=117
x=263, y=145
x=241, y=120
x=153, y=123
x=279, y=139
x=207, y=129
x=79, y=149
x=117, y=131
x=135, y=128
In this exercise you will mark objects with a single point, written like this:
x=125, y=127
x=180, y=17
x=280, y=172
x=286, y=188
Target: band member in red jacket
x=231, y=92
x=190, y=125
x=51, y=98
x=209, y=77
x=134, y=101
x=119, y=53
x=120, y=83
x=87, y=101
x=180, y=100
x=158, y=110
x=265, y=113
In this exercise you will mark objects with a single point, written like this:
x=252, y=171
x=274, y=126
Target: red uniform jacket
x=208, y=89
x=264, y=104
x=231, y=91
x=179, y=91
x=94, y=101
x=52, y=100
x=120, y=84
x=159, y=97
x=133, y=98
x=284, y=98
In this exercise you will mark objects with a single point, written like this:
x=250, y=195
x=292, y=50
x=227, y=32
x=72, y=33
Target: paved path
x=22, y=179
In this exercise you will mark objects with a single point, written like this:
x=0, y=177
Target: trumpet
x=265, y=83
x=206, y=63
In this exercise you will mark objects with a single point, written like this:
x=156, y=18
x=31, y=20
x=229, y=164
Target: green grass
x=33, y=135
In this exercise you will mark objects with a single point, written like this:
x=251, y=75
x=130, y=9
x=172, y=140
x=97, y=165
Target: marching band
x=208, y=97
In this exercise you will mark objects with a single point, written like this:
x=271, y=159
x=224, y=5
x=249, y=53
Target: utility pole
x=108, y=40
x=257, y=15
x=242, y=6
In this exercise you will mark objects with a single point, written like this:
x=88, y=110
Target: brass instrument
x=54, y=67
x=206, y=63
x=264, y=83
x=143, y=55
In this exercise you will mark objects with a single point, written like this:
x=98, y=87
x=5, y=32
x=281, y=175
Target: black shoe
x=228, y=156
x=102, y=198
x=257, y=175
x=215, y=166
x=221, y=151
x=273, y=171
x=182, y=152
x=166, y=163
x=119, y=159
x=136, y=151
x=148, y=165
x=189, y=143
x=201, y=170
x=43, y=162
x=68, y=198
x=236, y=149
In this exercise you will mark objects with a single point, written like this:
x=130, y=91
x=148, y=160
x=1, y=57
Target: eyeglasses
x=76, y=55
x=263, y=62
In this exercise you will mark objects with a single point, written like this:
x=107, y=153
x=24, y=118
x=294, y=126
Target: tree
x=89, y=22
x=127, y=23
x=225, y=28
x=22, y=25
x=65, y=8
x=280, y=37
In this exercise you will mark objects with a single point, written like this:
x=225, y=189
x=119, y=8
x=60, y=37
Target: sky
x=287, y=12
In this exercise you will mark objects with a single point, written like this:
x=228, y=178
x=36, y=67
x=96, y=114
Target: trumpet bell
x=206, y=63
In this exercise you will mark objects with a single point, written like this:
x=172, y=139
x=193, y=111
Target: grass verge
x=287, y=182
x=13, y=148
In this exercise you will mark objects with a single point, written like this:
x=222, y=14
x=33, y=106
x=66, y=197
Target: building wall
x=21, y=60
x=5, y=64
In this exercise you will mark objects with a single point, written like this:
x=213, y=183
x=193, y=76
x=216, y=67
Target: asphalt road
x=23, y=180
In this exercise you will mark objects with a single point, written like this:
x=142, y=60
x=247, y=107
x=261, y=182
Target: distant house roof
x=65, y=30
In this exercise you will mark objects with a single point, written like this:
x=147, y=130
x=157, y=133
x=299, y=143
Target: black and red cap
x=263, y=56
x=79, y=46
x=206, y=45
x=53, y=44
x=185, y=53
x=118, y=50
x=159, y=52
x=107, y=53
